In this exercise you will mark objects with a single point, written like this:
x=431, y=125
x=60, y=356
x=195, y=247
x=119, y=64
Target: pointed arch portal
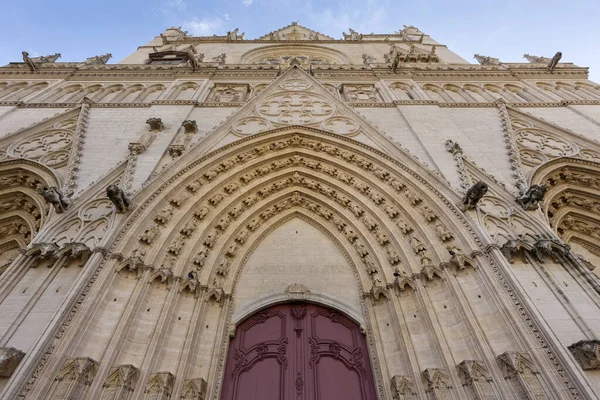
x=298, y=351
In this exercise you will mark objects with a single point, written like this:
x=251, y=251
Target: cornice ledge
x=467, y=105
x=372, y=105
x=217, y=104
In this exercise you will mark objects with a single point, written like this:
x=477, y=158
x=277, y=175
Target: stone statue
x=55, y=197
x=118, y=198
x=530, y=199
x=485, y=60
x=367, y=59
x=474, y=194
x=220, y=58
x=536, y=59
x=29, y=61
x=314, y=36
x=233, y=35
x=353, y=35
x=193, y=60
x=554, y=61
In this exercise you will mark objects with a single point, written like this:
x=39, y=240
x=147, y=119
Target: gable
x=295, y=32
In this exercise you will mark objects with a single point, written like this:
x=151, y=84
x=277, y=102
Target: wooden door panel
x=298, y=352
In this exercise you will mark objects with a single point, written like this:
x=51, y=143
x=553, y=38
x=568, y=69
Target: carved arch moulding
x=572, y=204
x=23, y=210
x=305, y=54
x=364, y=195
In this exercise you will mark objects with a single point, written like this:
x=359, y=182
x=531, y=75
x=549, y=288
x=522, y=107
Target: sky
x=505, y=29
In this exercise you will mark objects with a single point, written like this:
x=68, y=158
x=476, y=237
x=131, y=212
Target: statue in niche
x=29, y=61
x=118, y=198
x=55, y=197
x=530, y=199
x=474, y=194
x=554, y=61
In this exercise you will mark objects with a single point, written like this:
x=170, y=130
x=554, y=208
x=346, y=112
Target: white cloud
x=247, y=2
x=203, y=26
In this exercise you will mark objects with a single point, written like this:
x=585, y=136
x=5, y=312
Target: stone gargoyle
x=530, y=199
x=119, y=198
x=474, y=194
x=55, y=197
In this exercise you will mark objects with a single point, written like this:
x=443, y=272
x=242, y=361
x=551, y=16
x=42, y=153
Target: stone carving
x=443, y=233
x=361, y=93
x=189, y=126
x=159, y=385
x=233, y=35
x=353, y=35
x=74, y=378
x=587, y=353
x=296, y=108
x=484, y=60
x=55, y=197
x=194, y=389
x=120, y=382
x=9, y=361
x=536, y=59
x=438, y=383
x=47, y=59
x=519, y=369
x=552, y=63
x=297, y=291
x=150, y=233
x=367, y=59
x=229, y=93
x=98, y=60
x=156, y=124
x=474, y=194
x=530, y=199
x=220, y=58
x=27, y=60
x=118, y=197
x=402, y=387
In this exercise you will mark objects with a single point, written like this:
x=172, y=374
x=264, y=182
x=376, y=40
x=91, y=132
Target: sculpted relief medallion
x=299, y=108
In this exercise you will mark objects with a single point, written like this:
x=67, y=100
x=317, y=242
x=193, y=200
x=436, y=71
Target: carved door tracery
x=298, y=351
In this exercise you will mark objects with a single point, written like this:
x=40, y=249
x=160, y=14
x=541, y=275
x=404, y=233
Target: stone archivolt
x=318, y=177
x=23, y=211
x=572, y=203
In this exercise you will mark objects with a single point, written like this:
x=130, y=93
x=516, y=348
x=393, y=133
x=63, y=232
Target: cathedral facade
x=301, y=217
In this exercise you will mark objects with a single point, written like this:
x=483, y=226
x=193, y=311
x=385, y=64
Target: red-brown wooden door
x=298, y=351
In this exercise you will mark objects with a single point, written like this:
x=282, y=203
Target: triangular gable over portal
x=295, y=32
x=296, y=99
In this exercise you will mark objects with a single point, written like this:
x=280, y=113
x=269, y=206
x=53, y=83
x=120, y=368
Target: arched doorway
x=298, y=351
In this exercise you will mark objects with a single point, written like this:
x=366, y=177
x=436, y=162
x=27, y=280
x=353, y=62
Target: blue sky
x=505, y=29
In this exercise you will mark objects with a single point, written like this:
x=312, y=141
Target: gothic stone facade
x=296, y=166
